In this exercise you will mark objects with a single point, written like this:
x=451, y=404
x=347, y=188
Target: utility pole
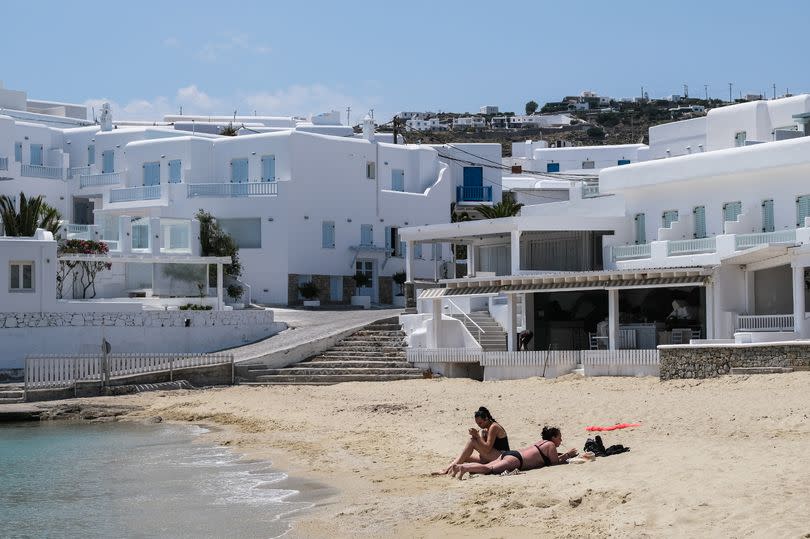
x=774, y=90
x=181, y=110
x=395, y=121
x=706, y=91
x=730, y=99
x=349, y=115
x=642, y=93
x=685, y=91
x=372, y=113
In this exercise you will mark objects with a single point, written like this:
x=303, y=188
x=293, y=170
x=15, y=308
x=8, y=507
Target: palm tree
x=33, y=213
x=506, y=208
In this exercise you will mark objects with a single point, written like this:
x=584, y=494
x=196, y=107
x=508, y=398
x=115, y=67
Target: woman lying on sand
x=489, y=444
x=540, y=454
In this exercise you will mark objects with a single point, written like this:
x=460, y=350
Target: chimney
x=368, y=128
x=106, y=117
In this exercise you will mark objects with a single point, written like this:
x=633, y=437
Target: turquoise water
x=126, y=480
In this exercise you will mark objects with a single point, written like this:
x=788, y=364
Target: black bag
x=595, y=446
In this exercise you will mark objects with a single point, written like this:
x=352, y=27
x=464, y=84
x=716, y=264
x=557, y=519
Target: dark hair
x=550, y=432
x=483, y=413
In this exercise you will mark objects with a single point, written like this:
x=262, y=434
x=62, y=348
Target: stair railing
x=465, y=315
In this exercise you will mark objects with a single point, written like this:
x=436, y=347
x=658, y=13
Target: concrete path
x=307, y=327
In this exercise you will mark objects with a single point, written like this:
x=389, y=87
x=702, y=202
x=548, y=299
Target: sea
x=87, y=480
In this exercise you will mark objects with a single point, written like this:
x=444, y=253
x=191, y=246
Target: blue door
x=239, y=170
x=473, y=189
x=107, y=161
x=269, y=168
x=36, y=154
x=18, y=152
x=151, y=173
x=397, y=179
x=552, y=167
x=91, y=154
x=174, y=170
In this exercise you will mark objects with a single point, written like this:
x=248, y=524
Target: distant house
x=488, y=109
x=431, y=124
x=468, y=121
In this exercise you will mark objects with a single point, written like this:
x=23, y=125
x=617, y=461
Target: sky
x=149, y=58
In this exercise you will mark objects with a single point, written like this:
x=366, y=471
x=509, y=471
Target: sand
x=728, y=457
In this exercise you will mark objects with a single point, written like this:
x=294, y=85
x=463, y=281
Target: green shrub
x=309, y=290
x=195, y=307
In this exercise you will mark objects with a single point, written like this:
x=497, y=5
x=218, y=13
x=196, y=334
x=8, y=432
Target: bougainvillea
x=82, y=272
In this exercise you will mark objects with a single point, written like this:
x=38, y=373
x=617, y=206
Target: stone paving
x=308, y=325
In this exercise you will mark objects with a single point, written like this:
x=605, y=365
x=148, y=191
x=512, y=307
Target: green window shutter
x=417, y=250
x=732, y=210
x=641, y=233
x=669, y=217
x=328, y=235
x=802, y=209
x=366, y=235
x=700, y=221
x=767, y=216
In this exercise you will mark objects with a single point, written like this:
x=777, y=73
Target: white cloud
x=171, y=41
x=197, y=100
x=229, y=43
x=309, y=99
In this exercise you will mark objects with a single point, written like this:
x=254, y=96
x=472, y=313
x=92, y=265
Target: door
x=151, y=173
x=366, y=267
x=36, y=154
x=398, y=179
x=107, y=161
x=239, y=170
x=473, y=184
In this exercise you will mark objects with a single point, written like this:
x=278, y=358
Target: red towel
x=614, y=427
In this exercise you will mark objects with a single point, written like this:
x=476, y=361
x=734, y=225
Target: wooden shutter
x=700, y=221
x=767, y=216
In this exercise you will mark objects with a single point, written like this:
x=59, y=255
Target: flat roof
x=136, y=258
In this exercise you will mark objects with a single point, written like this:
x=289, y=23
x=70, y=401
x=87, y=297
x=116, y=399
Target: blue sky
x=280, y=58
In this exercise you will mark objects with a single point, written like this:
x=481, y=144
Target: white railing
x=531, y=358
x=75, y=172
x=466, y=316
x=40, y=171
x=46, y=372
x=106, y=178
x=590, y=190
x=697, y=245
x=746, y=241
x=3, y=163
x=444, y=355
x=73, y=228
x=232, y=189
x=627, y=252
x=621, y=362
x=764, y=322
x=147, y=192
x=112, y=245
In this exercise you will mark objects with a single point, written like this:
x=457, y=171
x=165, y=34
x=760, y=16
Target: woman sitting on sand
x=538, y=455
x=489, y=444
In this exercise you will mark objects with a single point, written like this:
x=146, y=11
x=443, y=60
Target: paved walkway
x=306, y=326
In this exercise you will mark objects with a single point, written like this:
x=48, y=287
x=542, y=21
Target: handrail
x=465, y=315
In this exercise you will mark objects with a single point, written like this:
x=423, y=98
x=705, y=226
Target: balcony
x=590, y=190
x=466, y=193
x=75, y=172
x=133, y=194
x=3, y=163
x=631, y=252
x=107, y=178
x=690, y=247
x=196, y=190
x=40, y=171
x=746, y=241
x=764, y=322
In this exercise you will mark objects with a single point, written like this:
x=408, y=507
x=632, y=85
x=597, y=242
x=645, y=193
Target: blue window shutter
x=700, y=221
x=669, y=217
x=175, y=167
x=366, y=235
x=151, y=173
x=388, y=239
x=18, y=152
x=623, y=162
x=641, y=233
x=328, y=235
x=552, y=167
x=239, y=170
x=91, y=154
x=732, y=210
x=417, y=250
x=107, y=161
x=336, y=288
x=397, y=179
x=802, y=209
x=269, y=168
x=767, y=216
x=401, y=249
x=36, y=154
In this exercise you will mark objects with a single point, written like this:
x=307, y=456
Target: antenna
x=685, y=91
x=181, y=110
x=234, y=115
x=774, y=90
x=349, y=115
x=730, y=99
x=372, y=113
x=706, y=91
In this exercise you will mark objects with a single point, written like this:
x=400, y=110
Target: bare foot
x=442, y=472
x=455, y=470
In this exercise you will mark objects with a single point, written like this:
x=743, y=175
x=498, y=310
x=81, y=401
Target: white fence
x=764, y=322
x=553, y=363
x=58, y=371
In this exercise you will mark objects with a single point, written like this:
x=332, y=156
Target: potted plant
x=399, y=278
x=361, y=280
x=310, y=291
x=235, y=292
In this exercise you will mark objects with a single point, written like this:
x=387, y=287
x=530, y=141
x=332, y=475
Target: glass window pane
x=14, y=271
x=27, y=276
x=247, y=233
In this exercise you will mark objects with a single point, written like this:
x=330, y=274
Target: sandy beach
x=713, y=458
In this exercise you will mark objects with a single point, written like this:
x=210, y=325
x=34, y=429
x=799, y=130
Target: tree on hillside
x=33, y=213
x=531, y=107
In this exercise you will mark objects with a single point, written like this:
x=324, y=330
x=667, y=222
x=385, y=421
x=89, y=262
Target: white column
x=409, y=261
x=125, y=234
x=750, y=292
x=437, y=320
x=155, y=236
x=515, y=252
x=710, y=310
x=194, y=238
x=511, y=340
x=471, y=260
x=219, y=286
x=613, y=318
x=798, y=300
x=435, y=249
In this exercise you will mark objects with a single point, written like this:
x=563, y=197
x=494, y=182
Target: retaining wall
x=712, y=361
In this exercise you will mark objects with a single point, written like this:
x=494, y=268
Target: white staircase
x=489, y=333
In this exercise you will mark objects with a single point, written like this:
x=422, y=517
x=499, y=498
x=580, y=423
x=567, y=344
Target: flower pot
x=363, y=301
x=312, y=303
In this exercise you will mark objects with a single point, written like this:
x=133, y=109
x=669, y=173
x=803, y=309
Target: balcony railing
x=40, y=171
x=75, y=172
x=590, y=190
x=765, y=322
x=629, y=252
x=466, y=193
x=131, y=194
x=232, y=189
x=746, y=241
x=695, y=246
x=107, y=178
x=3, y=163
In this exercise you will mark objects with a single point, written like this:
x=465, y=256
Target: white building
x=465, y=122
x=431, y=124
x=540, y=120
x=488, y=109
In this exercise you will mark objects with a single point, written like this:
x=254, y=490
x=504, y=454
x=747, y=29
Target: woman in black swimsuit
x=489, y=444
x=538, y=455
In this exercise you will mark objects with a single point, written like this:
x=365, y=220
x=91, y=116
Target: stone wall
x=386, y=288
x=137, y=319
x=349, y=288
x=711, y=361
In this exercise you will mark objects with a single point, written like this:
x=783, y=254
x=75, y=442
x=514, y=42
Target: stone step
x=361, y=353
x=301, y=370
x=380, y=359
x=760, y=370
x=318, y=379
x=374, y=344
x=363, y=364
x=382, y=327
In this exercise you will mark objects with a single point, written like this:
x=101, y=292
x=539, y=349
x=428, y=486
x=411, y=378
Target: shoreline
x=373, y=445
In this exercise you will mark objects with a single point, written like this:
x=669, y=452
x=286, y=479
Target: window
x=739, y=138
x=436, y=251
x=36, y=154
x=107, y=161
x=371, y=170
x=366, y=235
x=246, y=232
x=91, y=154
x=175, y=170
x=731, y=210
x=641, y=233
x=336, y=288
x=417, y=250
x=140, y=234
x=393, y=246
x=328, y=234
x=623, y=162
x=268, y=168
x=18, y=152
x=397, y=179
x=669, y=217
x=802, y=209
x=700, y=221
x=552, y=167
x=588, y=164
x=239, y=170
x=21, y=277
x=151, y=173
x=767, y=216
